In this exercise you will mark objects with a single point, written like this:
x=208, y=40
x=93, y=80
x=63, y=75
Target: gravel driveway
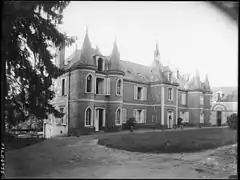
x=112, y=163
x=83, y=158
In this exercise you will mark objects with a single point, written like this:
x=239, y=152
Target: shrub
x=189, y=125
x=145, y=126
x=232, y=121
x=77, y=132
x=87, y=131
x=112, y=128
x=160, y=126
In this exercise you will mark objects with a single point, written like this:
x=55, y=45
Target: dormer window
x=100, y=64
x=170, y=76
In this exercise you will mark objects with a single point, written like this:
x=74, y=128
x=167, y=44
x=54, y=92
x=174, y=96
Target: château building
x=98, y=92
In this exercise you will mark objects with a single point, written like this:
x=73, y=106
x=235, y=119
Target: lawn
x=13, y=143
x=171, y=141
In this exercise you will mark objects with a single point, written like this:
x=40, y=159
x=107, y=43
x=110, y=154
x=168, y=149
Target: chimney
x=177, y=74
x=60, y=58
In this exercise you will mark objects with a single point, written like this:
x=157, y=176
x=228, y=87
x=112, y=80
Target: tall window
x=89, y=83
x=100, y=86
x=170, y=94
x=63, y=87
x=119, y=83
x=118, y=117
x=139, y=93
x=88, y=117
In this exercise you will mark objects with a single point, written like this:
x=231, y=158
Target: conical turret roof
x=86, y=51
x=114, y=63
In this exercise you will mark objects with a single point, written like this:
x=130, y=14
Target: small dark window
x=63, y=87
x=89, y=83
x=88, y=117
x=100, y=64
x=139, y=92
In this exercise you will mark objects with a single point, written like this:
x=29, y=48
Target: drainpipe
x=176, y=106
x=68, y=99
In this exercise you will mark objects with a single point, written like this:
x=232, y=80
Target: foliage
x=30, y=29
x=145, y=126
x=160, y=126
x=232, y=121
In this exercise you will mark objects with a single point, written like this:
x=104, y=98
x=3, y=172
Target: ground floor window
x=118, y=116
x=140, y=115
x=88, y=117
x=184, y=116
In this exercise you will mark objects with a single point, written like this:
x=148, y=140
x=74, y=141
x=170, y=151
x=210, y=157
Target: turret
x=114, y=63
x=206, y=83
x=156, y=67
x=86, y=51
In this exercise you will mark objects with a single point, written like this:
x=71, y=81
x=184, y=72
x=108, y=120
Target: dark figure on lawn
x=180, y=122
x=131, y=123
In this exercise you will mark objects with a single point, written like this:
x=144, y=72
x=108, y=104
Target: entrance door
x=170, y=119
x=100, y=118
x=219, y=118
x=99, y=121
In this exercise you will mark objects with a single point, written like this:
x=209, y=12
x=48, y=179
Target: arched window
x=89, y=83
x=118, y=116
x=119, y=84
x=88, y=117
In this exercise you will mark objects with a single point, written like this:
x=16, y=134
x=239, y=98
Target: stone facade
x=98, y=92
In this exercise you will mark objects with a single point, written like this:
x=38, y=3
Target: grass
x=12, y=142
x=171, y=141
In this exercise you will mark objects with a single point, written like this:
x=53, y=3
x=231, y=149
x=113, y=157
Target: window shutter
x=94, y=85
x=135, y=92
x=145, y=93
x=105, y=86
x=59, y=88
x=108, y=86
x=122, y=87
x=145, y=115
x=135, y=114
x=124, y=115
x=121, y=116
x=104, y=117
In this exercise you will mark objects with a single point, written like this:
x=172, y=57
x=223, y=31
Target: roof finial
x=76, y=41
x=87, y=29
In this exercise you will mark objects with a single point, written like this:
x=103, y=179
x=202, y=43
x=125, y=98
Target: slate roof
x=138, y=72
x=135, y=71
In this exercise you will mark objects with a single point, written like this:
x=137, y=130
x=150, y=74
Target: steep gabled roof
x=135, y=72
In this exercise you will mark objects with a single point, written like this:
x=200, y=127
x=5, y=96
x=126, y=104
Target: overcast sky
x=190, y=34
